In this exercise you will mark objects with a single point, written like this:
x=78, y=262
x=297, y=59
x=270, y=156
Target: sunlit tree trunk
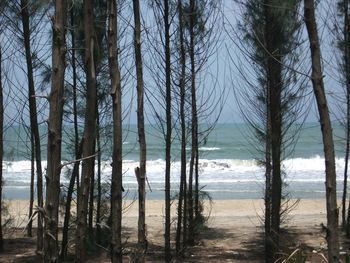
x=89, y=132
x=326, y=128
x=55, y=134
x=141, y=172
x=117, y=173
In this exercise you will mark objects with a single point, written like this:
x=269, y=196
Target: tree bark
x=346, y=51
x=55, y=134
x=99, y=189
x=142, y=235
x=181, y=216
x=117, y=173
x=31, y=194
x=78, y=148
x=274, y=84
x=194, y=128
x=1, y=148
x=89, y=132
x=168, y=130
x=327, y=136
x=67, y=214
x=33, y=116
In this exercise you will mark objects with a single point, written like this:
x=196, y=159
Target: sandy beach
x=233, y=234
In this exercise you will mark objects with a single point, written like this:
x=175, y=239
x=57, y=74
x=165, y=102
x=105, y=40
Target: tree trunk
x=194, y=128
x=99, y=190
x=142, y=235
x=274, y=83
x=168, y=130
x=1, y=149
x=92, y=197
x=89, y=132
x=32, y=176
x=327, y=136
x=33, y=116
x=65, y=229
x=347, y=81
x=55, y=134
x=117, y=173
x=77, y=147
x=183, y=187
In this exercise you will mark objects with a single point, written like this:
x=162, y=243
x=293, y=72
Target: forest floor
x=233, y=233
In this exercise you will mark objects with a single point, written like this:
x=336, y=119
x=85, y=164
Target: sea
x=229, y=164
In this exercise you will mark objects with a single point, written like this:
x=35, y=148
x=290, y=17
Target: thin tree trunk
x=92, y=194
x=55, y=134
x=70, y=191
x=194, y=128
x=1, y=148
x=142, y=238
x=182, y=193
x=117, y=174
x=327, y=136
x=33, y=116
x=89, y=133
x=78, y=148
x=268, y=169
x=269, y=253
x=274, y=86
x=347, y=79
x=99, y=190
x=168, y=130
x=32, y=176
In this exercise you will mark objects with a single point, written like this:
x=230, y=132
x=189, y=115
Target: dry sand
x=234, y=229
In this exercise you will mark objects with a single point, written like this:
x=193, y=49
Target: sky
x=221, y=73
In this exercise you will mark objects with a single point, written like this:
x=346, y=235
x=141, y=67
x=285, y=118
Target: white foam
x=209, y=148
x=211, y=171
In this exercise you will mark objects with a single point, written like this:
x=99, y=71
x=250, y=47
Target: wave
x=211, y=171
x=209, y=148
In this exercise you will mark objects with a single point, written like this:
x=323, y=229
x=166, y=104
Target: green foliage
x=284, y=16
x=201, y=221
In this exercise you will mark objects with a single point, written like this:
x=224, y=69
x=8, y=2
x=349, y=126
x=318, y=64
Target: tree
x=117, y=173
x=271, y=33
x=182, y=203
x=326, y=128
x=342, y=36
x=168, y=102
x=194, y=123
x=77, y=147
x=1, y=149
x=34, y=127
x=140, y=171
x=55, y=134
x=88, y=151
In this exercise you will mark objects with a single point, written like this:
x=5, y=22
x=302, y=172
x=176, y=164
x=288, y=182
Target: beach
x=233, y=233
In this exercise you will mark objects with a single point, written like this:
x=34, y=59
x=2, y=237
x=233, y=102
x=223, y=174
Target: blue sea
x=229, y=166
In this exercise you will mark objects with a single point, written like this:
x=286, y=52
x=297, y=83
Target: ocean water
x=229, y=167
